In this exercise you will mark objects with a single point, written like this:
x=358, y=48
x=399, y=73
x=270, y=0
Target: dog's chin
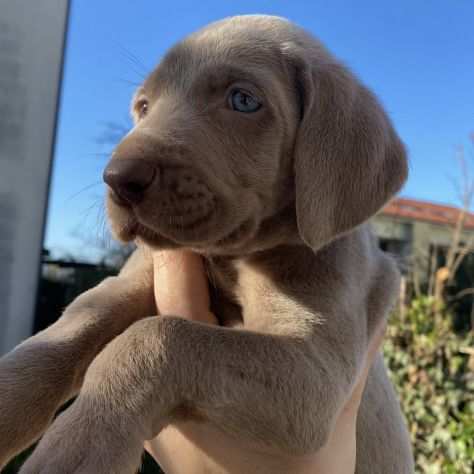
x=235, y=240
x=204, y=238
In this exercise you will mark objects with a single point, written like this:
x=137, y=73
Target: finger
x=181, y=286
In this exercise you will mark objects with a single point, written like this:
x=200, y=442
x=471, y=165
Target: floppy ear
x=348, y=159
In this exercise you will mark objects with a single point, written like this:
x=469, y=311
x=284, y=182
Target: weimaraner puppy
x=256, y=148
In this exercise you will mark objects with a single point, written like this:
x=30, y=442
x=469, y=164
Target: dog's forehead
x=220, y=48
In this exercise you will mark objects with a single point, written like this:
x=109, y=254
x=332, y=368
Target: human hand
x=181, y=289
x=338, y=456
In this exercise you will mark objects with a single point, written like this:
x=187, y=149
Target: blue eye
x=242, y=101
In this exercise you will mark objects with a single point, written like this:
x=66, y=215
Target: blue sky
x=417, y=55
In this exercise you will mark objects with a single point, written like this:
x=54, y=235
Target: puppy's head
x=245, y=124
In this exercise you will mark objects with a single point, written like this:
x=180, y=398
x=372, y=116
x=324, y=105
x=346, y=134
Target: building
x=419, y=233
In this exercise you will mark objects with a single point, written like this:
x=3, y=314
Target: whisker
x=128, y=82
x=89, y=186
x=102, y=228
x=139, y=67
x=85, y=213
x=133, y=59
x=101, y=154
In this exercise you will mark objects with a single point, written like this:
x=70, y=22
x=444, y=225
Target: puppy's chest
x=240, y=295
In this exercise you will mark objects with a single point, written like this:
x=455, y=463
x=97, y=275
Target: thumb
x=180, y=284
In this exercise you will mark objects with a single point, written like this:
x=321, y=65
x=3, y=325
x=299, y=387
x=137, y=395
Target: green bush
x=433, y=370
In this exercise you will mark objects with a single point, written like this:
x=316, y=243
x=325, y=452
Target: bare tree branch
x=457, y=251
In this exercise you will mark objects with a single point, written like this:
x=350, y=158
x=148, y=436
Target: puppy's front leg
x=272, y=390
x=46, y=370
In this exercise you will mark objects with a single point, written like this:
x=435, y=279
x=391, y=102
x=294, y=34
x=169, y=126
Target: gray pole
x=31, y=55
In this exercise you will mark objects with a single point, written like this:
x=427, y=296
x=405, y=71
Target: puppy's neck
x=245, y=287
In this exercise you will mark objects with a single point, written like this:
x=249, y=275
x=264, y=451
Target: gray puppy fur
x=276, y=200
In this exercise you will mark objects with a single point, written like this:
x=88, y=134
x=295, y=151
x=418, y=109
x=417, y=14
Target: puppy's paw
x=85, y=441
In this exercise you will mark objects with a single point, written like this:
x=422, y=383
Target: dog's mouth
x=197, y=235
x=240, y=234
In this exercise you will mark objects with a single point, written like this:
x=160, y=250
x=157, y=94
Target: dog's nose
x=129, y=178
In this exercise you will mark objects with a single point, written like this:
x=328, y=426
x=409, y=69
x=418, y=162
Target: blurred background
x=67, y=74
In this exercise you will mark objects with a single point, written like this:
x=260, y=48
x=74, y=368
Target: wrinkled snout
x=165, y=186
x=159, y=183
